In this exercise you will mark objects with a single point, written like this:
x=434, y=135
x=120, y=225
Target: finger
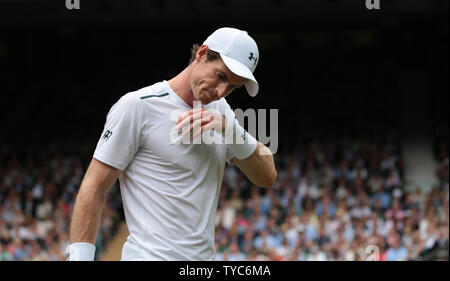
x=190, y=118
x=204, y=128
x=184, y=119
x=196, y=125
x=189, y=113
x=182, y=116
x=187, y=119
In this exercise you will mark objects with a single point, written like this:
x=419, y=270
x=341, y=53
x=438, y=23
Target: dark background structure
x=324, y=64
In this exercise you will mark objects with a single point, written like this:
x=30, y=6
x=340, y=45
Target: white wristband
x=81, y=252
x=242, y=143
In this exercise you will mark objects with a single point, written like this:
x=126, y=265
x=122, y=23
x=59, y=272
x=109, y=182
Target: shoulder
x=224, y=104
x=138, y=99
x=156, y=90
x=219, y=105
x=130, y=99
x=126, y=105
x=222, y=107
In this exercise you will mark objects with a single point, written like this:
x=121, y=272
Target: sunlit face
x=212, y=80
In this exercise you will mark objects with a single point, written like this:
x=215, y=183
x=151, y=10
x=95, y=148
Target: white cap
x=239, y=52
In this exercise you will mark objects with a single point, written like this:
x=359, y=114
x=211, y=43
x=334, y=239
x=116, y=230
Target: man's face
x=212, y=80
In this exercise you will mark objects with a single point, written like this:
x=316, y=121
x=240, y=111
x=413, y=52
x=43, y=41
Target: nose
x=221, y=90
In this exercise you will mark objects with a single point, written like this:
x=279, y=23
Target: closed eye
x=221, y=76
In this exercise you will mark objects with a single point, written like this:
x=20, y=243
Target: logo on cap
x=251, y=57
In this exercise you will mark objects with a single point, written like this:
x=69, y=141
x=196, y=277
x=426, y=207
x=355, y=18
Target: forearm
x=88, y=208
x=86, y=216
x=259, y=167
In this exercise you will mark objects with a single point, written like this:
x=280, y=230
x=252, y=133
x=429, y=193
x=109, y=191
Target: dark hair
x=210, y=56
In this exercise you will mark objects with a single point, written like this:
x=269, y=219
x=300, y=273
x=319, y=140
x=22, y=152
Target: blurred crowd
x=334, y=199
x=37, y=194
x=338, y=200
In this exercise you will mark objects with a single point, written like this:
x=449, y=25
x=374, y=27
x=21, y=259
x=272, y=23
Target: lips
x=212, y=95
x=209, y=96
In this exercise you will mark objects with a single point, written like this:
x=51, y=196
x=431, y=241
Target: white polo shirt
x=169, y=190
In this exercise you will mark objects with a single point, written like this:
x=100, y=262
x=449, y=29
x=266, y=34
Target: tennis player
x=170, y=189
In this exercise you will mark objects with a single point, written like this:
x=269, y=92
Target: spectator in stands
x=235, y=254
x=396, y=251
x=385, y=198
x=5, y=255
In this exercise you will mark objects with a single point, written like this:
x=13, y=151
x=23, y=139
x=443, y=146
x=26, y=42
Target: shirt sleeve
x=230, y=155
x=122, y=133
x=226, y=110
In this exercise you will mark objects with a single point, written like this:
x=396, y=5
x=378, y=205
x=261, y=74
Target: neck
x=181, y=86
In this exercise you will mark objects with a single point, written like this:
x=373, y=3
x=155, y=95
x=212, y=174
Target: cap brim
x=240, y=69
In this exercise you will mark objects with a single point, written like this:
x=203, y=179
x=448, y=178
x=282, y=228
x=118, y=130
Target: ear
x=201, y=53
